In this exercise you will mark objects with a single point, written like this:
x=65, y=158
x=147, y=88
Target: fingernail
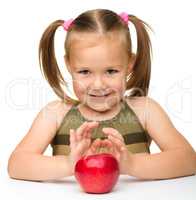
x=122, y=149
x=105, y=131
x=93, y=123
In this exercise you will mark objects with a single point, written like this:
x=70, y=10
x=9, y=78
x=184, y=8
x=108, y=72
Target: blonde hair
x=95, y=21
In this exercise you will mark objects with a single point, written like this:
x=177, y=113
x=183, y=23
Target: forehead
x=96, y=49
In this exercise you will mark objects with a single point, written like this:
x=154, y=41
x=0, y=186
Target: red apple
x=97, y=173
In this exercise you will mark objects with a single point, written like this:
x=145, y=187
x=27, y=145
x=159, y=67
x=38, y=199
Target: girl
x=102, y=66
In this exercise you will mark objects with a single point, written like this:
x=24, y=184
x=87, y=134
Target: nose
x=97, y=83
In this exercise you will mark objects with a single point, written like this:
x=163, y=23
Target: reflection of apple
x=97, y=173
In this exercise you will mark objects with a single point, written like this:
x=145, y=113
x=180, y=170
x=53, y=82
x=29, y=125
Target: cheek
x=118, y=88
x=80, y=86
x=78, y=90
x=118, y=85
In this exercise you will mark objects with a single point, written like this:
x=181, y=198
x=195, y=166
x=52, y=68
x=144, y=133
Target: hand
x=119, y=149
x=80, y=141
x=98, y=145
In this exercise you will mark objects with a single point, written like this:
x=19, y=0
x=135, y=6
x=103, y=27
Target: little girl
x=100, y=61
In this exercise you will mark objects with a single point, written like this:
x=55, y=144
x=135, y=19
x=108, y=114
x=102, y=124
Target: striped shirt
x=125, y=122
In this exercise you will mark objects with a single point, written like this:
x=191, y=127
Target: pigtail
x=140, y=77
x=48, y=63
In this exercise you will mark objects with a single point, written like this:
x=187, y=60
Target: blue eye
x=112, y=71
x=83, y=72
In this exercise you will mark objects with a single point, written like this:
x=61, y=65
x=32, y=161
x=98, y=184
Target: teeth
x=99, y=96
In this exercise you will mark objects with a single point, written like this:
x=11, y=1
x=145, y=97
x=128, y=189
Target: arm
x=177, y=158
x=27, y=162
x=36, y=167
x=164, y=165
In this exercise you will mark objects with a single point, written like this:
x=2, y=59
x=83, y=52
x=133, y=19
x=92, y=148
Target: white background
x=23, y=90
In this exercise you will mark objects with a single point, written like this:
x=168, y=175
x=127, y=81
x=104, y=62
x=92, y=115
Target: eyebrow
x=108, y=67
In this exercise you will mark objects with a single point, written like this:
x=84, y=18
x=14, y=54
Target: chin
x=103, y=106
x=99, y=108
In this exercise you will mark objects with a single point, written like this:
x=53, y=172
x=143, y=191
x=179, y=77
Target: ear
x=131, y=63
x=67, y=63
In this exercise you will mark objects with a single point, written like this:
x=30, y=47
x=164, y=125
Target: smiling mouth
x=92, y=95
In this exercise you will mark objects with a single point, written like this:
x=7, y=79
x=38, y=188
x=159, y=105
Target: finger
x=109, y=145
x=106, y=143
x=83, y=146
x=112, y=148
x=80, y=131
x=113, y=132
x=95, y=145
x=89, y=129
x=98, y=144
x=118, y=144
x=72, y=138
x=92, y=149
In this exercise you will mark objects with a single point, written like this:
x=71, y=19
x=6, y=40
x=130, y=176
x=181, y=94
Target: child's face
x=98, y=66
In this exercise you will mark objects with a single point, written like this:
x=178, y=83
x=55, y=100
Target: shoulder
x=147, y=110
x=57, y=109
x=143, y=104
x=45, y=125
x=158, y=124
x=138, y=105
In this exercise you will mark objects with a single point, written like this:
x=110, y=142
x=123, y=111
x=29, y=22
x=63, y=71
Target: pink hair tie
x=125, y=17
x=67, y=24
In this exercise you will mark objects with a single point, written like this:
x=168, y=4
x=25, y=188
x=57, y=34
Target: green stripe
x=129, y=138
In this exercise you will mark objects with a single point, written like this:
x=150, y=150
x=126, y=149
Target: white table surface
x=126, y=188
